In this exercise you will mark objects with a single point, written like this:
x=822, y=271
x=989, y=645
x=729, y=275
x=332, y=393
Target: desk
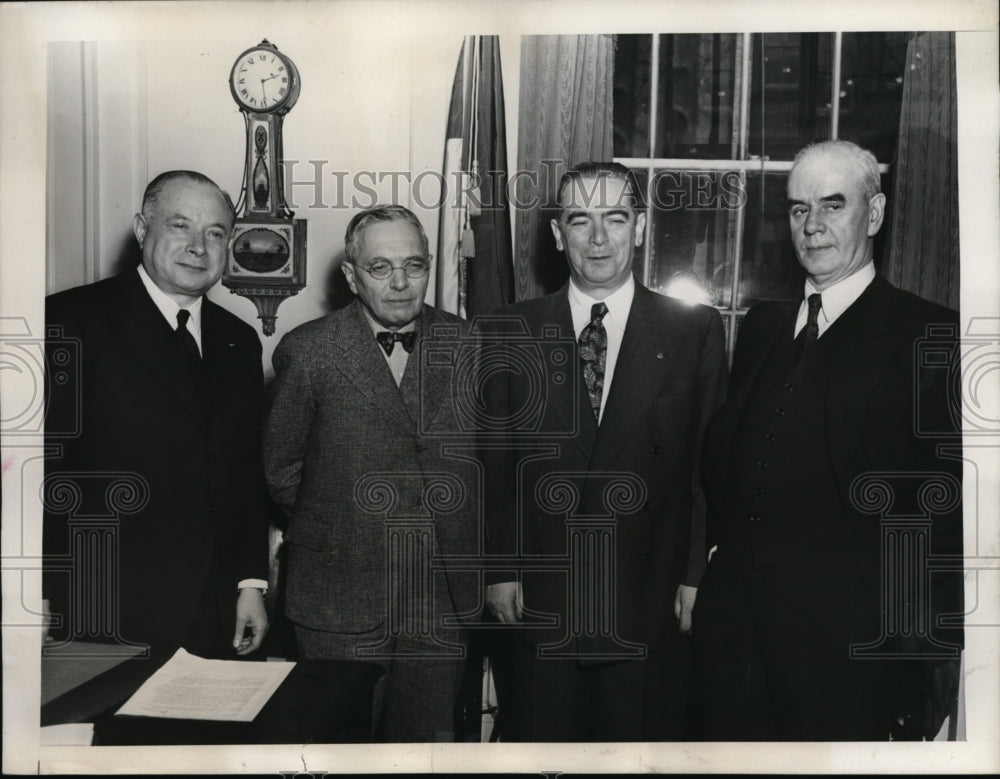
x=320, y=701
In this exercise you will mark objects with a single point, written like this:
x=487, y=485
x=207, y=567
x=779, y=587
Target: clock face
x=260, y=80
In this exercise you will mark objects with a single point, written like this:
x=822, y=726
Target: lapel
x=423, y=392
x=569, y=400
x=648, y=352
x=221, y=357
x=864, y=336
x=770, y=331
x=361, y=360
x=140, y=323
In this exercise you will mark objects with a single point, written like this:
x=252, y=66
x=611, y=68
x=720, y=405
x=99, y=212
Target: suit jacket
x=639, y=467
x=346, y=450
x=877, y=408
x=194, y=513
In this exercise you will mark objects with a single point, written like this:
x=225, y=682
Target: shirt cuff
x=259, y=584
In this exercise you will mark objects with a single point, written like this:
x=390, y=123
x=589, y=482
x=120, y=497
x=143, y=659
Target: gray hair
x=155, y=188
x=871, y=180
x=388, y=213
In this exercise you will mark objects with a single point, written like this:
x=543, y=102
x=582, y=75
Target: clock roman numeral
x=281, y=68
x=243, y=81
x=284, y=80
x=243, y=92
x=282, y=91
x=261, y=57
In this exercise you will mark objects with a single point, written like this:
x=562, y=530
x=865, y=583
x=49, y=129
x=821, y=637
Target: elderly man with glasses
x=375, y=502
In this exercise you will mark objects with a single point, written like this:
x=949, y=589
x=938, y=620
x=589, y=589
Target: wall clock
x=267, y=262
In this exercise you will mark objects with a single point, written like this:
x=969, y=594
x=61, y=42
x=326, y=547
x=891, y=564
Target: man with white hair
x=823, y=396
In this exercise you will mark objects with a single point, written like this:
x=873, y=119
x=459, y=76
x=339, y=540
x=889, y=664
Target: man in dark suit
x=374, y=498
x=169, y=402
x=597, y=503
x=821, y=420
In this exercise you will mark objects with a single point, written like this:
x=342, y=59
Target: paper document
x=190, y=687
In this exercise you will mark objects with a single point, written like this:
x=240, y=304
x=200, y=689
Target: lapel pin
x=659, y=355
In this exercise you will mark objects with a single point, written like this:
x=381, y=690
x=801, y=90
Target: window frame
x=741, y=162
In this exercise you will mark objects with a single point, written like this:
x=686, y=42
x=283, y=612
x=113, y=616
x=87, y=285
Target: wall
x=372, y=110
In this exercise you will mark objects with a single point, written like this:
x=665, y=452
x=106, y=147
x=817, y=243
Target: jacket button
x=780, y=412
x=759, y=491
x=769, y=436
x=656, y=449
x=790, y=387
x=754, y=518
x=761, y=463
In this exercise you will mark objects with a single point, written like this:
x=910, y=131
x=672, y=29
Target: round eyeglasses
x=383, y=269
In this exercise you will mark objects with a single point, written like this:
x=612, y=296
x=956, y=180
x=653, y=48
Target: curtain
x=923, y=255
x=565, y=117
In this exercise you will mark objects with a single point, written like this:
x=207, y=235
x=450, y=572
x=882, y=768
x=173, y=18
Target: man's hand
x=250, y=615
x=684, y=605
x=506, y=601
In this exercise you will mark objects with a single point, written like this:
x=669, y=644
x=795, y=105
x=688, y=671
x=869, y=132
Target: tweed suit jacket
x=640, y=466
x=881, y=409
x=345, y=451
x=201, y=509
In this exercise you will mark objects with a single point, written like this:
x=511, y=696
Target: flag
x=475, y=272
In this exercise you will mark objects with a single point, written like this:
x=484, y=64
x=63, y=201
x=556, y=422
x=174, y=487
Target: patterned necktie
x=184, y=336
x=388, y=340
x=807, y=338
x=594, y=355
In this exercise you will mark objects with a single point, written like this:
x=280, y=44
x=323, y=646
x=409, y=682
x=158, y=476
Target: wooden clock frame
x=267, y=258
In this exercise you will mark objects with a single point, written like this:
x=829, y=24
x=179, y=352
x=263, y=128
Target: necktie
x=807, y=338
x=184, y=336
x=388, y=340
x=594, y=355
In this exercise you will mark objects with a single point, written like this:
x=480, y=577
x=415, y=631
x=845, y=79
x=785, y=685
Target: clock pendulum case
x=267, y=262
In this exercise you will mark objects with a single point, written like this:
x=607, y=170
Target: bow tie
x=388, y=340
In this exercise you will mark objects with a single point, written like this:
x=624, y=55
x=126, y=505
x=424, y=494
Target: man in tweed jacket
x=377, y=502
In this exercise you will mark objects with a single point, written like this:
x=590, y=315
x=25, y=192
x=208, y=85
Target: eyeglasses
x=383, y=269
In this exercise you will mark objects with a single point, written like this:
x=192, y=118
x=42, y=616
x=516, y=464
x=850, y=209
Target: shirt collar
x=838, y=297
x=167, y=305
x=618, y=302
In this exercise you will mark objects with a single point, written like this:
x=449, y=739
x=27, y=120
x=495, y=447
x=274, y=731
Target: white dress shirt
x=836, y=298
x=169, y=308
x=619, y=304
x=399, y=357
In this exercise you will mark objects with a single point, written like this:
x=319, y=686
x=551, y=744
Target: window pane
x=769, y=269
x=871, y=89
x=693, y=215
x=789, y=92
x=632, y=70
x=695, y=96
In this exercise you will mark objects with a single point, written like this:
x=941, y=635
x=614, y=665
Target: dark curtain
x=923, y=255
x=565, y=117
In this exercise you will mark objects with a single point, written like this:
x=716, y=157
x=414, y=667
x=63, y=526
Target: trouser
x=569, y=699
x=415, y=698
x=772, y=652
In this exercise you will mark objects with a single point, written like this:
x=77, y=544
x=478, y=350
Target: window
x=710, y=124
